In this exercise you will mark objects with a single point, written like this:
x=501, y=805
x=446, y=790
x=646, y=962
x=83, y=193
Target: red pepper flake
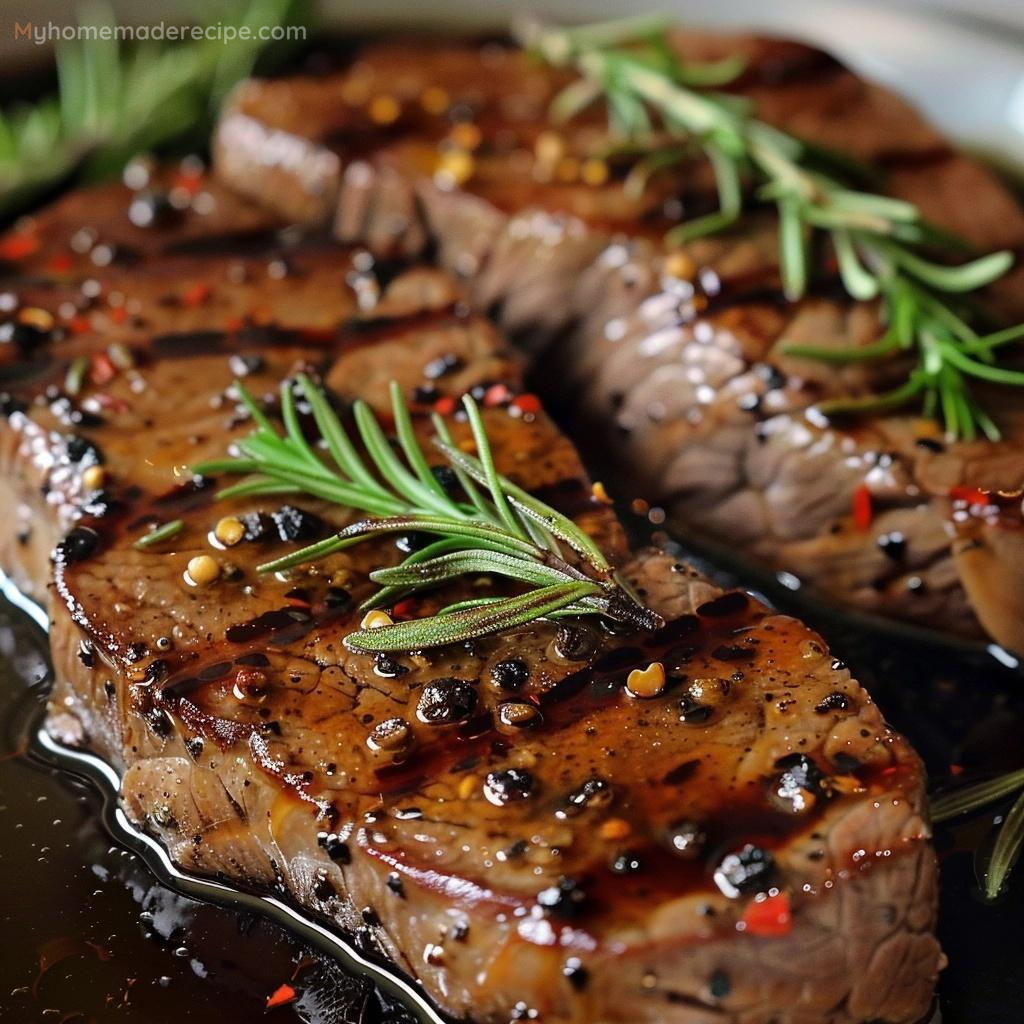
x=196, y=295
x=234, y=324
x=79, y=324
x=862, y=513
x=17, y=247
x=404, y=609
x=119, y=315
x=969, y=495
x=103, y=370
x=445, y=405
x=282, y=995
x=60, y=264
x=319, y=335
x=768, y=915
x=526, y=405
x=496, y=394
x=111, y=402
x=190, y=182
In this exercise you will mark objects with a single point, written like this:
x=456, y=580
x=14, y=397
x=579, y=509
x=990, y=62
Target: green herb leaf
x=500, y=531
x=469, y=623
x=159, y=534
x=883, y=245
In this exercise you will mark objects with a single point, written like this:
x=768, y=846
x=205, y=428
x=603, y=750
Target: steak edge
x=681, y=377
x=750, y=846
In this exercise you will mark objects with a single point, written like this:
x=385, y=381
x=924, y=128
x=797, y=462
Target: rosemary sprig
x=1010, y=839
x=881, y=245
x=116, y=100
x=493, y=528
x=159, y=534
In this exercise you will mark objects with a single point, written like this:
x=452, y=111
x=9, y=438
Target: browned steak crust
x=680, y=371
x=748, y=847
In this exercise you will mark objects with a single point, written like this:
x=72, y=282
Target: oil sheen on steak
x=677, y=366
x=750, y=846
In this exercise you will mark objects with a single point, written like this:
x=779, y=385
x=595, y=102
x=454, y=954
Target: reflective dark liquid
x=89, y=933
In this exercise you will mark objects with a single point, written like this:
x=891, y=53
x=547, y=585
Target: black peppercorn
x=444, y=701
x=503, y=787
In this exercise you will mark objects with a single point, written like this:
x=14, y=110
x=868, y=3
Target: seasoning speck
x=202, y=571
x=646, y=682
x=229, y=531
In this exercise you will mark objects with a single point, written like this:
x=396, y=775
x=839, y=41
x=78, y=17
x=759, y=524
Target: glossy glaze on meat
x=748, y=846
x=679, y=372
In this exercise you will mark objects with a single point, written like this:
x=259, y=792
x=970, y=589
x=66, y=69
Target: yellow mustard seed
x=467, y=786
x=384, y=110
x=202, y=571
x=681, y=266
x=375, y=619
x=466, y=135
x=647, y=682
x=33, y=316
x=594, y=172
x=549, y=148
x=454, y=168
x=229, y=531
x=93, y=478
x=435, y=100
x=615, y=828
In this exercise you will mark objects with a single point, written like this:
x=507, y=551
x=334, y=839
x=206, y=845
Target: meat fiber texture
x=751, y=845
x=674, y=367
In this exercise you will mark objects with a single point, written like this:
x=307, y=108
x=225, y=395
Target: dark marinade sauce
x=89, y=934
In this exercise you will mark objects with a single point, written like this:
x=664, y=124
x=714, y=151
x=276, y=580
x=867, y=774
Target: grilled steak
x=675, y=360
x=504, y=820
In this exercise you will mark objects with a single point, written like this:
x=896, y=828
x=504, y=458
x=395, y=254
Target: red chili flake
x=862, y=508
x=404, y=609
x=496, y=394
x=282, y=995
x=970, y=495
x=196, y=295
x=956, y=770
x=190, y=182
x=319, y=335
x=79, y=324
x=103, y=370
x=17, y=247
x=768, y=916
x=445, y=405
x=119, y=315
x=234, y=324
x=526, y=404
x=110, y=402
x=60, y=264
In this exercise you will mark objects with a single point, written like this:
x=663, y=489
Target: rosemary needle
x=882, y=245
x=488, y=527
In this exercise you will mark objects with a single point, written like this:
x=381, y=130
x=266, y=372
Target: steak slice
x=503, y=819
x=676, y=363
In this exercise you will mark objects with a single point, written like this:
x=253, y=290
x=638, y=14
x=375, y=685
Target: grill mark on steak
x=585, y=265
x=288, y=760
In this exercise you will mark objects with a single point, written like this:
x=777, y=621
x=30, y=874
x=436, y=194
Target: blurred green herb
x=117, y=99
x=1010, y=837
x=882, y=245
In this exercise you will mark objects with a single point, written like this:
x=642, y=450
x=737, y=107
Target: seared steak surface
x=504, y=820
x=675, y=360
